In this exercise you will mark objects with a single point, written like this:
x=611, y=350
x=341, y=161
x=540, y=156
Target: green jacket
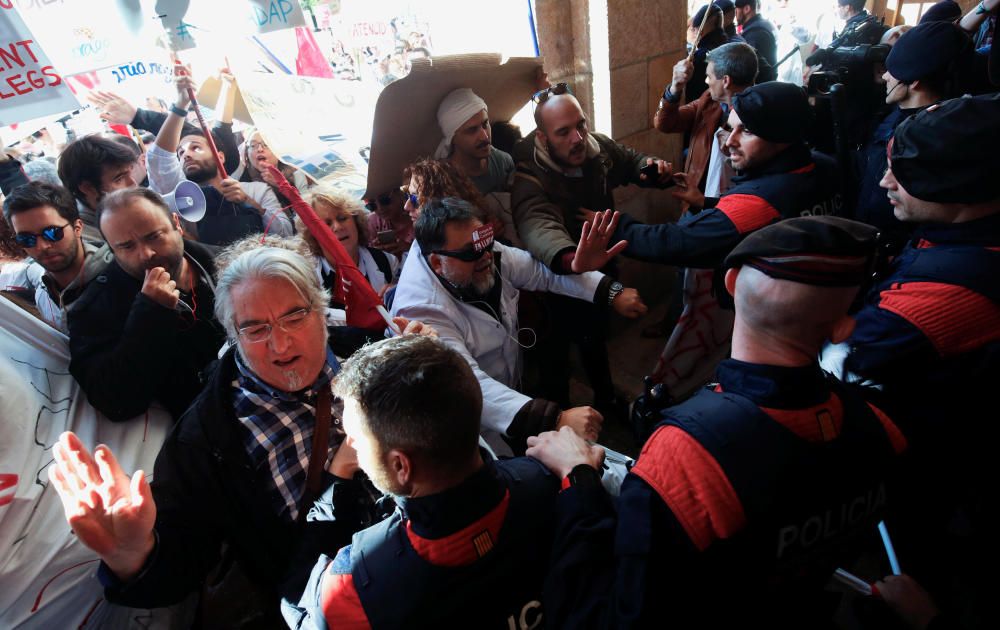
x=545, y=200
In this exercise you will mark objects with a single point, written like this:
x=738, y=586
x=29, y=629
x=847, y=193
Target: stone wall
x=645, y=38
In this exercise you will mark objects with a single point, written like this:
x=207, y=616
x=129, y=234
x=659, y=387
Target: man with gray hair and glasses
x=241, y=466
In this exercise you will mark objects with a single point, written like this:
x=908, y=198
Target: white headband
x=456, y=108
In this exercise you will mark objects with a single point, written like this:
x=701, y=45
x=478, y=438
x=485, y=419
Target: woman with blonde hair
x=349, y=222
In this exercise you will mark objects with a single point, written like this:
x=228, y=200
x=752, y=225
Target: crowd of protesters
x=844, y=319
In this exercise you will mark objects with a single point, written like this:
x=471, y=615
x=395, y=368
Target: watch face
x=617, y=286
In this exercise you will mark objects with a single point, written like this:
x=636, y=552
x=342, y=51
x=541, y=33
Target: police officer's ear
x=400, y=466
x=842, y=329
x=731, y=280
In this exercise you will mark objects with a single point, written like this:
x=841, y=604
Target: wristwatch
x=614, y=291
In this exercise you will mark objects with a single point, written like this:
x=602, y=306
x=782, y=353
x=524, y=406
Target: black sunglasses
x=52, y=234
x=383, y=200
x=541, y=96
x=465, y=255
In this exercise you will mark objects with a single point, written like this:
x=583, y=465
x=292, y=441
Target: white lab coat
x=490, y=347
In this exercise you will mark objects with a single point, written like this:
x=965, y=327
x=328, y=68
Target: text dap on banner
x=13, y=57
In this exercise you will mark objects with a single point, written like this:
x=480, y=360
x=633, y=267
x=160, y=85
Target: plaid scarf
x=280, y=428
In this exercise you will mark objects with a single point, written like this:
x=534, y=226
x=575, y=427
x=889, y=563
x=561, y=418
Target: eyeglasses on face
x=258, y=146
x=52, y=234
x=541, y=96
x=257, y=333
x=383, y=200
x=413, y=198
x=465, y=255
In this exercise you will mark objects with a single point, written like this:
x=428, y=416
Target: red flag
x=359, y=298
x=310, y=62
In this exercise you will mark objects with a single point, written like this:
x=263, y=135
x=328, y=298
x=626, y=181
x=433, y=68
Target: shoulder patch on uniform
x=692, y=484
x=954, y=319
x=748, y=212
x=466, y=545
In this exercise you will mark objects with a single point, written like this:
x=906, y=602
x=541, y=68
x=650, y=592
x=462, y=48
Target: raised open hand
x=109, y=513
x=112, y=107
x=591, y=252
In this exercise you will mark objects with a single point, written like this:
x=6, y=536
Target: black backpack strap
x=382, y=261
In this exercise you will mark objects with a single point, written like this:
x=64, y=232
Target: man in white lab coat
x=459, y=281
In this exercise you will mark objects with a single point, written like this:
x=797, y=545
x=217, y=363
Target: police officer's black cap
x=946, y=152
x=944, y=11
x=822, y=251
x=927, y=50
x=700, y=15
x=775, y=111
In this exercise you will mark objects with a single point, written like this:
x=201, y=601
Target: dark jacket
x=476, y=552
x=207, y=494
x=929, y=332
x=761, y=35
x=545, y=201
x=794, y=183
x=873, y=205
x=715, y=522
x=127, y=351
x=11, y=175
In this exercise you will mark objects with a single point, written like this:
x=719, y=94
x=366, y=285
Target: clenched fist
x=159, y=287
x=585, y=421
x=629, y=304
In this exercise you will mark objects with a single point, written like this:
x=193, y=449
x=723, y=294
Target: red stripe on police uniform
x=953, y=318
x=464, y=546
x=896, y=437
x=340, y=602
x=747, y=212
x=819, y=423
x=692, y=484
x=808, y=168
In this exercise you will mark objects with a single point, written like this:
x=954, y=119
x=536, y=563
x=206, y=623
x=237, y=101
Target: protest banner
x=83, y=35
x=274, y=15
x=47, y=578
x=321, y=126
x=30, y=85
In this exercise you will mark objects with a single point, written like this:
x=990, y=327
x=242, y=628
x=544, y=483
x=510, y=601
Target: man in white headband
x=468, y=141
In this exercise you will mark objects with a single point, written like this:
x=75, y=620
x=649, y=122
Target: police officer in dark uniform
x=761, y=35
x=920, y=71
x=751, y=493
x=929, y=335
x=778, y=178
x=469, y=541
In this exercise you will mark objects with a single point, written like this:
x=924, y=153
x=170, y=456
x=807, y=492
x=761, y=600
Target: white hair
x=266, y=263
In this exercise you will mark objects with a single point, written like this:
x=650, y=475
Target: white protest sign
x=30, y=85
x=275, y=15
x=319, y=125
x=82, y=35
x=47, y=578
